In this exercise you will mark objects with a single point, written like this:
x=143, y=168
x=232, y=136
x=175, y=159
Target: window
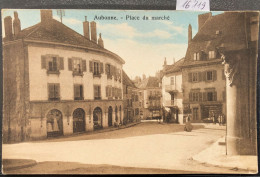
x=78, y=92
x=196, y=56
x=194, y=77
x=53, y=63
x=212, y=54
x=54, y=92
x=195, y=114
x=172, y=80
x=210, y=96
x=109, y=91
x=109, y=71
x=96, y=68
x=209, y=75
x=195, y=96
x=136, y=111
x=97, y=92
x=77, y=66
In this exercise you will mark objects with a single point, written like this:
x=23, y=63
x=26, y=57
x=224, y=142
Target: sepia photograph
x=129, y=91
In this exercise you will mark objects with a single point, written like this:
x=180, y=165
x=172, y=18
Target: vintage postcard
x=129, y=92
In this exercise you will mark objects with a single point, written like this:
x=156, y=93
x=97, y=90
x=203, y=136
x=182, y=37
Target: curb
x=15, y=164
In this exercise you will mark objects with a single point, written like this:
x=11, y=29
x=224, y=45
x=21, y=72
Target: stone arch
x=78, y=120
x=54, y=123
x=97, y=118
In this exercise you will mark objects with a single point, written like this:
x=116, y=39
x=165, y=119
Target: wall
x=219, y=85
x=39, y=78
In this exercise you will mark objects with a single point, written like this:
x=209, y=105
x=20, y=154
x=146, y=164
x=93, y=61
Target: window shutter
x=43, y=61
x=190, y=77
x=61, y=63
x=204, y=74
x=57, y=90
x=190, y=96
x=200, y=76
x=215, y=96
x=70, y=64
x=51, y=91
x=223, y=74
x=200, y=96
x=84, y=65
x=91, y=66
x=106, y=91
x=205, y=96
x=224, y=95
x=106, y=68
x=101, y=67
x=113, y=91
x=77, y=91
x=214, y=75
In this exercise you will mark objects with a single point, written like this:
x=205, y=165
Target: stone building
x=202, y=70
x=151, y=98
x=56, y=81
x=131, y=99
x=172, y=92
x=220, y=75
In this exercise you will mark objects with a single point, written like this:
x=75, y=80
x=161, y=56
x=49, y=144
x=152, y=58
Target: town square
x=129, y=92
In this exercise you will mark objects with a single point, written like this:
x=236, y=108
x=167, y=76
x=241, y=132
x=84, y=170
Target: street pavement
x=147, y=145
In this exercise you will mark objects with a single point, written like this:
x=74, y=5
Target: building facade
x=172, y=92
x=151, y=98
x=132, y=104
x=203, y=73
x=58, y=82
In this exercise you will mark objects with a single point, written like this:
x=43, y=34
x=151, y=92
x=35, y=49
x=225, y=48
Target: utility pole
x=61, y=13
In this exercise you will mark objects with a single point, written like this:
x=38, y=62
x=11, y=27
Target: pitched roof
x=60, y=33
x=127, y=81
x=232, y=35
x=174, y=67
x=149, y=82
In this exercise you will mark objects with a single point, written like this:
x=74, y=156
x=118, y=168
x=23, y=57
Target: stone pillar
x=105, y=119
x=240, y=124
x=89, y=120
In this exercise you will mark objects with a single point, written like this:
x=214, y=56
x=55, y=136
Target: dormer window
x=212, y=54
x=52, y=63
x=196, y=56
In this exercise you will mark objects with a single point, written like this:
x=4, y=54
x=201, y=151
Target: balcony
x=171, y=88
x=171, y=103
x=155, y=97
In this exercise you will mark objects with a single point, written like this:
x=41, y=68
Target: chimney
x=46, y=19
x=16, y=24
x=93, y=31
x=203, y=18
x=189, y=33
x=86, y=28
x=8, y=28
x=100, y=41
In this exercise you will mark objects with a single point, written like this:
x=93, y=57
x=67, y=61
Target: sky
x=143, y=44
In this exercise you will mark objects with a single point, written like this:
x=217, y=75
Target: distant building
x=56, y=81
x=151, y=98
x=172, y=92
x=131, y=99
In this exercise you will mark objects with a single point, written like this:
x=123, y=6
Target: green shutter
x=106, y=68
x=91, y=66
x=200, y=97
x=215, y=96
x=70, y=64
x=84, y=65
x=223, y=74
x=101, y=68
x=205, y=96
x=57, y=90
x=190, y=96
x=189, y=77
x=214, y=75
x=61, y=63
x=43, y=61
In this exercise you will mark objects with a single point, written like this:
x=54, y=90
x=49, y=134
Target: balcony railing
x=171, y=103
x=171, y=88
